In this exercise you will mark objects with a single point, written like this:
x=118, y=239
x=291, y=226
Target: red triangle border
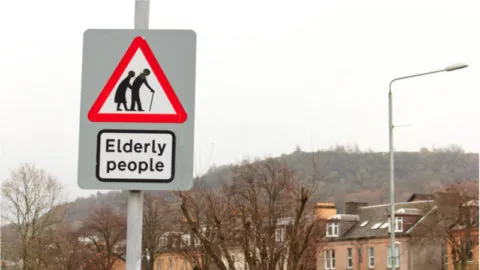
x=94, y=114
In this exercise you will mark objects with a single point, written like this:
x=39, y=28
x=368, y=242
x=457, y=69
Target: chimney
x=352, y=208
x=324, y=210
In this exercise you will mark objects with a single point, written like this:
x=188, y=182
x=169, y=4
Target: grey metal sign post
x=137, y=115
x=135, y=197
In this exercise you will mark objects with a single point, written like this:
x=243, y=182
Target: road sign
x=137, y=110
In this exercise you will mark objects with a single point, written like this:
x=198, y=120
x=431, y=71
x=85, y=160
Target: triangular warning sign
x=138, y=91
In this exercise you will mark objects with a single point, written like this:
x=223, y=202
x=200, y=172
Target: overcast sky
x=270, y=75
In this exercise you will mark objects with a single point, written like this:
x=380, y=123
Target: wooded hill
x=340, y=174
x=343, y=174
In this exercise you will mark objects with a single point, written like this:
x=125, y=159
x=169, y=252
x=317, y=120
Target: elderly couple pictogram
x=120, y=94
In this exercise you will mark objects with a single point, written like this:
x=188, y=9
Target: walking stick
x=151, y=101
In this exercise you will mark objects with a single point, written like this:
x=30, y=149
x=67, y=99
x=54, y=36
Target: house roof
x=420, y=197
x=344, y=217
x=373, y=220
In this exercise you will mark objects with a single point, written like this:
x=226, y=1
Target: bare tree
x=208, y=215
x=157, y=219
x=62, y=248
x=197, y=257
x=30, y=195
x=458, y=209
x=106, y=231
x=261, y=212
x=453, y=222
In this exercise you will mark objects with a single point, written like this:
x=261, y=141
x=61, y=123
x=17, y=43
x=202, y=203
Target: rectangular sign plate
x=137, y=110
x=135, y=156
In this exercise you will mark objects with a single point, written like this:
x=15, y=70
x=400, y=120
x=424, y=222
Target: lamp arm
x=411, y=76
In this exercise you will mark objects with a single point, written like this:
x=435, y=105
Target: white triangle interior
x=160, y=104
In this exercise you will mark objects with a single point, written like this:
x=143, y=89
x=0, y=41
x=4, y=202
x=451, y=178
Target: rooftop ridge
x=320, y=204
x=398, y=203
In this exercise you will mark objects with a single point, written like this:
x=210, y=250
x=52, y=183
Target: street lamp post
x=392, y=160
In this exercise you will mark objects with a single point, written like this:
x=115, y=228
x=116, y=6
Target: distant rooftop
x=409, y=211
x=285, y=221
x=373, y=219
x=420, y=197
x=472, y=203
x=397, y=204
x=344, y=217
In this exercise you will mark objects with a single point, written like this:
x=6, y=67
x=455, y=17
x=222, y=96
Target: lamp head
x=456, y=66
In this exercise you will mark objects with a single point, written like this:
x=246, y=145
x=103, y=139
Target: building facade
x=462, y=241
x=360, y=238
x=472, y=263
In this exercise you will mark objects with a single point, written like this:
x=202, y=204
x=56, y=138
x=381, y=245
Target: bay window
x=371, y=257
x=349, y=258
x=329, y=259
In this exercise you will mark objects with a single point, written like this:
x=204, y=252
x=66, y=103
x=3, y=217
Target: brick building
x=360, y=238
x=465, y=235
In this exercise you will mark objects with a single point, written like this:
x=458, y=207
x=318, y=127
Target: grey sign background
x=175, y=50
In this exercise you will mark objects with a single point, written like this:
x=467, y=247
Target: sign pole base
x=134, y=230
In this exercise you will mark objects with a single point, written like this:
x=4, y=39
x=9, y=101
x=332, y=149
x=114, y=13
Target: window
x=163, y=242
x=468, y=246
x=349, y=258
x=359, y=252
x=169, y=263
x=185, y=240
x=327, y=259
x=364, y=223
x=398, y=224
x=196, y=241
x=175, y=242
x=396, y=256
x=329, y=262
x=444, y=256
x=377, y=225
x=332, y=258
x=332, y=229
x=385, y=225
x=371, y=258
x=280, y=234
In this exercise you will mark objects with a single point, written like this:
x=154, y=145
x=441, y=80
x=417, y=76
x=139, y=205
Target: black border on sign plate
x=97, y=167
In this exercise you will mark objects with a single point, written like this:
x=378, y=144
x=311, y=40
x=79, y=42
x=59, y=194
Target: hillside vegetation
x=343, y=174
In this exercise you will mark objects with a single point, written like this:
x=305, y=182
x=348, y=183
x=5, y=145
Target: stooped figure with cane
x=136, y=85
x=120, y=94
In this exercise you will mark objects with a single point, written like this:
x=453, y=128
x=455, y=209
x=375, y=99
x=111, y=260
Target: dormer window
x=398, y=224
x=163, y=242
x=332, y=229
x=280, y=234
x=185, y=240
